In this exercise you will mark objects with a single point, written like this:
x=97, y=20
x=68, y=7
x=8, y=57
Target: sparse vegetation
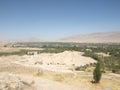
x=21, y=52
x=111, y=63
x=91, y=54
x=80, y=68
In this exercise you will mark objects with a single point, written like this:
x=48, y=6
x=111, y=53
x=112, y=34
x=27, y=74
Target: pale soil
x=21, y=73
x=61, y=62
x=23, y=82
x=68, y=58
x=55, y=81
x=2, y=44
x=103, y=54
x=6, y=49
x=31, y=78
x=10, y=49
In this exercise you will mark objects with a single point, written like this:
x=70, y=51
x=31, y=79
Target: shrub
x=77, y=68
x=97, y=74
x=80, y=68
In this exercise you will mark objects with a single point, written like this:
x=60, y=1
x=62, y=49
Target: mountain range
x=99, y=37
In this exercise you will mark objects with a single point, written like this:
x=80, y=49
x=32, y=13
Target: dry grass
x=11, y=49
x=90, y=69
x=6, y=49
x=19, y=69
x=82, y=80
x=59, y=77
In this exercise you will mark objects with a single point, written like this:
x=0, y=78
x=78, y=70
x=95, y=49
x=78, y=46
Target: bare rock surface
x=12, y=82
x=24, y=82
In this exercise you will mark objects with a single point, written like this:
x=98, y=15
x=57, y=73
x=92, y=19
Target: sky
x=53, y=19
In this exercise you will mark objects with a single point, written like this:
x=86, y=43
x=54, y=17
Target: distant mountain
x=2, y=43
x=34, y=39
x=31, y=39
x=100, y=37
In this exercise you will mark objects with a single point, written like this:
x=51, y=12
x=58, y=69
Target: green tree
x=97, y=74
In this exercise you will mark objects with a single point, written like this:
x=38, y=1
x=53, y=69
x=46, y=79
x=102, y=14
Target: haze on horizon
x=52, y=19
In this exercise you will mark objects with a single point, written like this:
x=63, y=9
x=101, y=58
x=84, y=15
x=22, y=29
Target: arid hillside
x=99, y=37
x=2, y=44
x=51, y=71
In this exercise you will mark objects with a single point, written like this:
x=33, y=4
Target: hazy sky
x=51, y=19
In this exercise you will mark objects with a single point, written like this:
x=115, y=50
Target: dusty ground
x=103, y=54
x=23, y=82
x=21, y=73
x=10, y=49
x=62, y=62
x=55, y=81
